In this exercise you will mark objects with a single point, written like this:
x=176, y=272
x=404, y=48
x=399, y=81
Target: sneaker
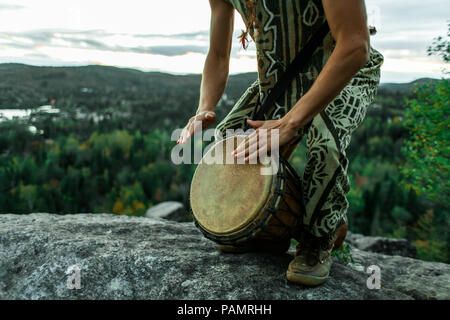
x=312, y=263
x=257, y=245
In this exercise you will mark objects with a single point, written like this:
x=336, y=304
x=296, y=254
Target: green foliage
x=131, y=200
x=427, y=150
x=401, y=215
x=343, y=253
x=441, y=47
x=117, y=172
x=430, y=246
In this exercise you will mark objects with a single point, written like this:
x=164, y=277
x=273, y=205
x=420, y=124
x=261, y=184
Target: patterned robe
x=284, y=26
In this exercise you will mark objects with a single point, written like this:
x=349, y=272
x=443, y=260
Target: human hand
x=206, y=118
x=260, y=141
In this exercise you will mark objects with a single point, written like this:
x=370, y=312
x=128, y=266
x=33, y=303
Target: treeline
x=119, y=171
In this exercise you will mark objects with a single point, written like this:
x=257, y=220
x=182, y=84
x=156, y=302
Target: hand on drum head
x=269, y=136
x=204, y=118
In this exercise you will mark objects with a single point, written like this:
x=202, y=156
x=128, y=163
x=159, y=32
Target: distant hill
x=24, y=86
x=154, y=97
x=405, y=87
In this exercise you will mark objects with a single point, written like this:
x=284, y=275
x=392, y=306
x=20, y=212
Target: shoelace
x=310, y=246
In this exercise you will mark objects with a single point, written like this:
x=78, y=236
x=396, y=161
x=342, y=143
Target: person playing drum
x=326, y=101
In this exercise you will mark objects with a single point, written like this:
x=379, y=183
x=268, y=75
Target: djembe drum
x=233, y=203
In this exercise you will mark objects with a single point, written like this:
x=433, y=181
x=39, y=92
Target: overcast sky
x=172, y=36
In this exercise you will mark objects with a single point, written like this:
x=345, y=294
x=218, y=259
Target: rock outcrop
x=121, y=257
x=389, y=246
x=170, y=210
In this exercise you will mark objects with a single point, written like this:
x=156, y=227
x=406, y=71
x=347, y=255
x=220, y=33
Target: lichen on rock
x=122, y=257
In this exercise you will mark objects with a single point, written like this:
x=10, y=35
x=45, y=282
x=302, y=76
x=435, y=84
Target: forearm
x=214, y=81
x=345, y=61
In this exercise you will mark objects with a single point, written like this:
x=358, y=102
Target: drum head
x=226, y=197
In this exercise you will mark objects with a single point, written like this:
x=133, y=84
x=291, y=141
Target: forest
x=107, y=149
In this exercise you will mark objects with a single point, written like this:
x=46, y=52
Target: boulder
x=171, y=210
x=104, y=256
x=389, y=246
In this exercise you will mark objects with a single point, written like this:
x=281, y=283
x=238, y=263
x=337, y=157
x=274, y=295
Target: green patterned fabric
x=284, y=28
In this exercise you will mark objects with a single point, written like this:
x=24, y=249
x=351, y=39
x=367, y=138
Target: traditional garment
x=283, y=28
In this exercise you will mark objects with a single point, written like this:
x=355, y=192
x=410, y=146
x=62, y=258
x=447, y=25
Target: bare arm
x=348, y=23
x=215, y=71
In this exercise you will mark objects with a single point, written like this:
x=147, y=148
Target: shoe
x=257, y=245
x=312, y=263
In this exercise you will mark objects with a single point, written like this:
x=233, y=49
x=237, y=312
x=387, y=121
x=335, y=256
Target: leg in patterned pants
x=325, y=180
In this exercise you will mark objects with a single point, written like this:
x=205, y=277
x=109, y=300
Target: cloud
x=413, y=15
x=37, y=55
x=11, y=7
x=191, y=35
x=167, y=45
x=134, y=34
x=175, y=50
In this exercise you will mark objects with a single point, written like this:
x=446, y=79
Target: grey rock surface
x=170, y=210
x=389, y=246
x=121, y=257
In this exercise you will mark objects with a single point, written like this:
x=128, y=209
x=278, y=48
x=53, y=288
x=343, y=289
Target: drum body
x=233, y=203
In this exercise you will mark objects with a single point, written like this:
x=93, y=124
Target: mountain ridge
x=253, y=74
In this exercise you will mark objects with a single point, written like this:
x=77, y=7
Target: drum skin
x=227, y=196
x=230, y=199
